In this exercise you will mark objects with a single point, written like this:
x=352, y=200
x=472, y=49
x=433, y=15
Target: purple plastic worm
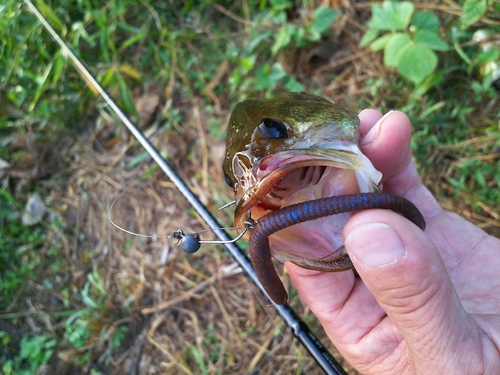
x=260, y=253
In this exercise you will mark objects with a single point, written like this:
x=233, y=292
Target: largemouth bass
x=293, y=149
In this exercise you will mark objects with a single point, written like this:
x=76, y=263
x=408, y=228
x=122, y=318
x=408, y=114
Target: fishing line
x=226, y=205
x=187, y=240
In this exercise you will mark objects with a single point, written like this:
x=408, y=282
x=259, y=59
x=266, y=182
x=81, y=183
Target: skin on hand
x=426, y=302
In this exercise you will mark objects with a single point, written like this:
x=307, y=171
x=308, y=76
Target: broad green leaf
x=425, y=21
x=381, y=42
x=417, y=62
x=472, y=11
x=323, y=18
x=431, y=40
x=369, y=36
x=394, y=48
x=392, y=15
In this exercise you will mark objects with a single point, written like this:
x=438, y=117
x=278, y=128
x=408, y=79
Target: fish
x=298, y=175
x=295, y=148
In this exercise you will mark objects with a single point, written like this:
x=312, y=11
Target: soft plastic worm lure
x=260, y=253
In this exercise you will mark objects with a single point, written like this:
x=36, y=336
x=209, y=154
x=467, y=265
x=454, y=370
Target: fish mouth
x=296, y=176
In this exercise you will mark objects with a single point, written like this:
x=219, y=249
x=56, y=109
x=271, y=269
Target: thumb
x=404, y=271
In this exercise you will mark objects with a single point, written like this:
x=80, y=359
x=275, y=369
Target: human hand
x=426, y=302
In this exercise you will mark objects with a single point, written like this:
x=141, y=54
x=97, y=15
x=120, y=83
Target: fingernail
x=375, y=244
x=373, y=134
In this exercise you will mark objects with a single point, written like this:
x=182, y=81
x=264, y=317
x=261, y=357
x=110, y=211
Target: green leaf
x=313, y=36
x=299, y=37
x=392, y=15
x=323, y=18
x=58, y=68
x=425, y=21
x=293, y=85
x=195, y=353
x=247, y=63
x=51, y=16
x=283, y=37
x=268, y=77
x=472, y=11
x=43, y=81
x=381, y=42
x=132, y=40
x=394, y=48
x=480, y=178
x=280, y=4
x=417, y=62
x=125, y=95
x=455, y=36
x=255, y=41
x=488, y=56
x=369, y=36
x=431, y=40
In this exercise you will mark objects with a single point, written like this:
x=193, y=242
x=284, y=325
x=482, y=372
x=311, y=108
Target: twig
x=158, y=346
x=184, y=296
x=232, y=15
x=226, y=315
x=336, y=64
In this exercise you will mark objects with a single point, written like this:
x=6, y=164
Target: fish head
x=291, y=149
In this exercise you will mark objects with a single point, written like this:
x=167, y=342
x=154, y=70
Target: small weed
x=410, y=42
x=35, y=351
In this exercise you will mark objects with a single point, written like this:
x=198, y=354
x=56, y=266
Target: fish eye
x=270, y=128
x=228, y=181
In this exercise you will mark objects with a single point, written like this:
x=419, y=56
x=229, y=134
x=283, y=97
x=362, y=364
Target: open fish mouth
x=296, y=176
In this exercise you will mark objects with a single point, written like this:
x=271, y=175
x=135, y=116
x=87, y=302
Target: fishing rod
x=305, y=336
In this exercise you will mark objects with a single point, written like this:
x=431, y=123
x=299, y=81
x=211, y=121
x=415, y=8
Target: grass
x=80, y=295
